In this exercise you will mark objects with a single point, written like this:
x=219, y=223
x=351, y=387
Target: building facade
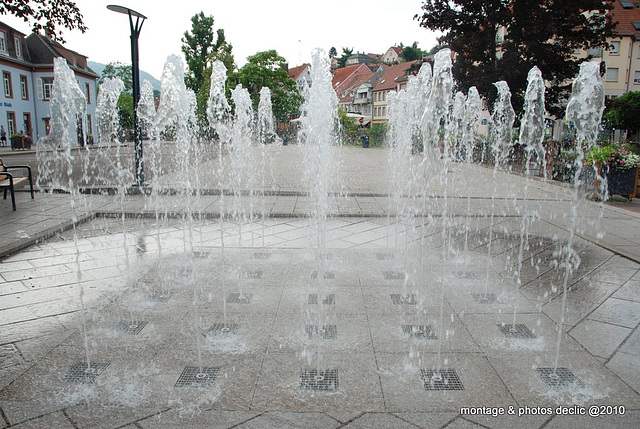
x=27, y=78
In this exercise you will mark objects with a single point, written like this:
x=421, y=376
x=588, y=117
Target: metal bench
x=8, y=181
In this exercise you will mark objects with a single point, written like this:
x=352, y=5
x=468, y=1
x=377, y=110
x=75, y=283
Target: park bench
x=8, y=181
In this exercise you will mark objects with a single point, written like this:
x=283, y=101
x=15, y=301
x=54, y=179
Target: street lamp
x=135, y=33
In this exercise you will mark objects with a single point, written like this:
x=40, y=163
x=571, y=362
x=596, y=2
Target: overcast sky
x=293, y=28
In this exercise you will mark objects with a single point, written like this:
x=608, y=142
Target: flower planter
x=622, y=182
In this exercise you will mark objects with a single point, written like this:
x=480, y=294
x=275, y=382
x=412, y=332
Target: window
x=6, y=82
x=614, y=48
x=612, y=74
x=24, y=87
x=87, y=90
x=18, y=43
x=45, y=88
x=3, y=42
x=11, y=123
x=636, y=79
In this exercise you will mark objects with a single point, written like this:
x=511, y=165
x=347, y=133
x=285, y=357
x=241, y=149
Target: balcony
x=362, y=100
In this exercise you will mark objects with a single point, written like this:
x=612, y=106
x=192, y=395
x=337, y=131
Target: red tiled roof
x=388, y=80
x=343, y=74
x=626, y=18
x=295, y=72
x=359, y=80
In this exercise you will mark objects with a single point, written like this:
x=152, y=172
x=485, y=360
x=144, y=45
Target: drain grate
x=10, y=356
x=393, y=275
x=398, y=299
x=262, y=255
x=223, y=329
x=561, y=377
x=385, y=256
x=485, y=298
x=467, y=275
x=325, y=332
x=519, y=330
x=319, y=379
x=195, y=376
x=80, y=372
x=131, y=327
x=201, y=254
x=251, y=274
x=239, y=298
x=160, y=296
x=423, y=332
x=327, y=299
x=443, y=379
x=328, y=275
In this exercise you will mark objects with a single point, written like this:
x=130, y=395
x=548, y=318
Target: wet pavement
x=254, y=320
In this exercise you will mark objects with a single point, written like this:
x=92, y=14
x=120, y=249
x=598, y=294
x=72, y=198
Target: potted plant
x=619, y=165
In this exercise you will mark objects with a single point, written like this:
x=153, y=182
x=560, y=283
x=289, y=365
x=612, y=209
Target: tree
x=624, y=112
x=202, y=97
x=119, y=70
x=332, y=52
x=198, y=46
x=410, y=53
x=542, y=33
x=269, y=69
x=346, y=53
x=49, y=15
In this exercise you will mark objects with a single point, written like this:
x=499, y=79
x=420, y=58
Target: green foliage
x=346, y=53
x=410, y=53
x=545, y=34
x=119, y=70
x=125, y=110
x=198, y=48
x=332, y=52
x=268, y=69
x=351, y=132
x=378, y=134
x=618, y=157
x=624, y=112
x=49, y=15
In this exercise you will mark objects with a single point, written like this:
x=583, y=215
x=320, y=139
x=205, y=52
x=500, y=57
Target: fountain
x=410, y=308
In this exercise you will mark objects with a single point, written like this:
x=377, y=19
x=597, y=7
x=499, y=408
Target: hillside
x=98, y=67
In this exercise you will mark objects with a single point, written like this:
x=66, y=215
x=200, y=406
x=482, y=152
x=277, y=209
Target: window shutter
x=40, y=89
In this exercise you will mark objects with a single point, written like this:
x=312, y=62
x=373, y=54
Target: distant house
x=361, y=58
x=343, y=77
x=393, y=55
x=358, y=98
x=394, y=79
x=301, y=75
x=27, y=77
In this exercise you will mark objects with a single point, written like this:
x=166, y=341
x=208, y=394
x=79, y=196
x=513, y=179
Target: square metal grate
x=194, y=376
x=131, y=327
x=393, y=275
x=160, y=295
x=261, y=255
x=251, y=274
x=385, y=256
x=201, y=254
x=423, y=332
x=398, y=299
x=239, y=298
x=10, y=356
x=325, y=332
x=485, y=298
x=561, y=377
x=442, y=379
x=519, y=330
x=467, y=275
x=223, y=329
x=319, y=379
x=328, y=275
x=80, y=372
x=327, y=299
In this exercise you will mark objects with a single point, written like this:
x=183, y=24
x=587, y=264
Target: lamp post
x=135, y=67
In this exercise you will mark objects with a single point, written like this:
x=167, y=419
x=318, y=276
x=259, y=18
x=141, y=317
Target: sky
x=293, y=28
